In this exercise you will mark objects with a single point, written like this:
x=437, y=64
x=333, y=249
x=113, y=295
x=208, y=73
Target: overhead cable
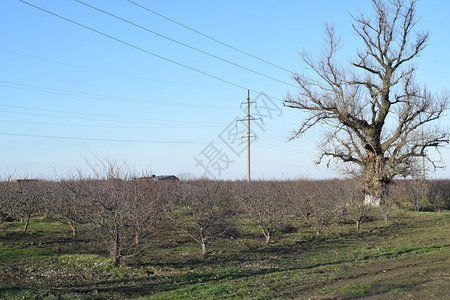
x=135, y=47
x=210, y=37
x=185, y=45
x=34, y=88
x=100, y=139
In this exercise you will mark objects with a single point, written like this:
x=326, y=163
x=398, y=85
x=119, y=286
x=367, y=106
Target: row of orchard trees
x=126, y=212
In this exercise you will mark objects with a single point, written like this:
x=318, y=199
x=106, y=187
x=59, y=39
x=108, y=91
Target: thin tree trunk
x=307, y=217
x=358, y=223
x=137, y=240
x=319, y=229
x=268, y=236
x=74, y=229
x=115, y=250
x=27, y=222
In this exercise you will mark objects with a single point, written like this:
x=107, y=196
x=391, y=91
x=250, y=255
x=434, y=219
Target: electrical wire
x=144, y=50
x=136, y=47
x=99, y=120
x=211, y=38
x=41, y=89
x=68, y=117
x=54, y=61
x=105, y=116
x=105, y=126
x=100, y=139
x=185, y=45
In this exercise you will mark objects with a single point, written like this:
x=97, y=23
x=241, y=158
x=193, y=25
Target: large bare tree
x=380, y=121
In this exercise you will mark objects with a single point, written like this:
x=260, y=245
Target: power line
x=105, y=126
x=105, y=116
x=67, y=117
x=184, y=44
x=34, y=88
x=277, y=147
x=135, y=47
x=41, y=89
x=145, y=51
x=211, y=38
x=54, y=61
x=100, y=120
x=99, y=139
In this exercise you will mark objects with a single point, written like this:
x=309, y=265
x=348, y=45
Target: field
x=408, y=258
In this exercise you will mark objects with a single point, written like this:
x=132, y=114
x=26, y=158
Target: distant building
x=158, y=178
x=25, y=180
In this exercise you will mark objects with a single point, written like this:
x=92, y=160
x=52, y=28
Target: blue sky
x=68, y=93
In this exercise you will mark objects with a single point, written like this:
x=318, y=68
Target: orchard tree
x=380, y=121
x=355, y=208
x=125, y=211
x=418, y=191
x=201, y=209
x=70, y=202
x=326, y=199
x=266, y=204
x=5, y=198
x=26, y=197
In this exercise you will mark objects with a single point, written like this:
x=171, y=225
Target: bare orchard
x=127, y=214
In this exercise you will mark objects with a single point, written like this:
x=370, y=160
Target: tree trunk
x=374, y=178
x=74, y=229
x=358, y=223
x=267, y=235
x=319, y=230
x=115, y=251
x=137, y=239
x=27, y=222
x=372, y=200
x=308, y=214
x=204, y=251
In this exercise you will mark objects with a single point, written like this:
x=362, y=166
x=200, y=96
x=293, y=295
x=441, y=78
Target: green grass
x=210, y=291
x=429, y=214
x=36, y=226
x=346, y=290
x=12, y=254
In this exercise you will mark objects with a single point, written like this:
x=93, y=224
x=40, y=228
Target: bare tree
x=380, y=121
x=438, y=194
x=25, y=198
x=70, y=202
x=5, y=198
x=201, y=209
x=124, y=209
x=390, y=196
x=301, y=203
x=418, y=191
x=266, y=203
x=355, y=208
x=325, y=198
x=146, y=206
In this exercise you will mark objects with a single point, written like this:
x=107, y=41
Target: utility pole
x=248, y=118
